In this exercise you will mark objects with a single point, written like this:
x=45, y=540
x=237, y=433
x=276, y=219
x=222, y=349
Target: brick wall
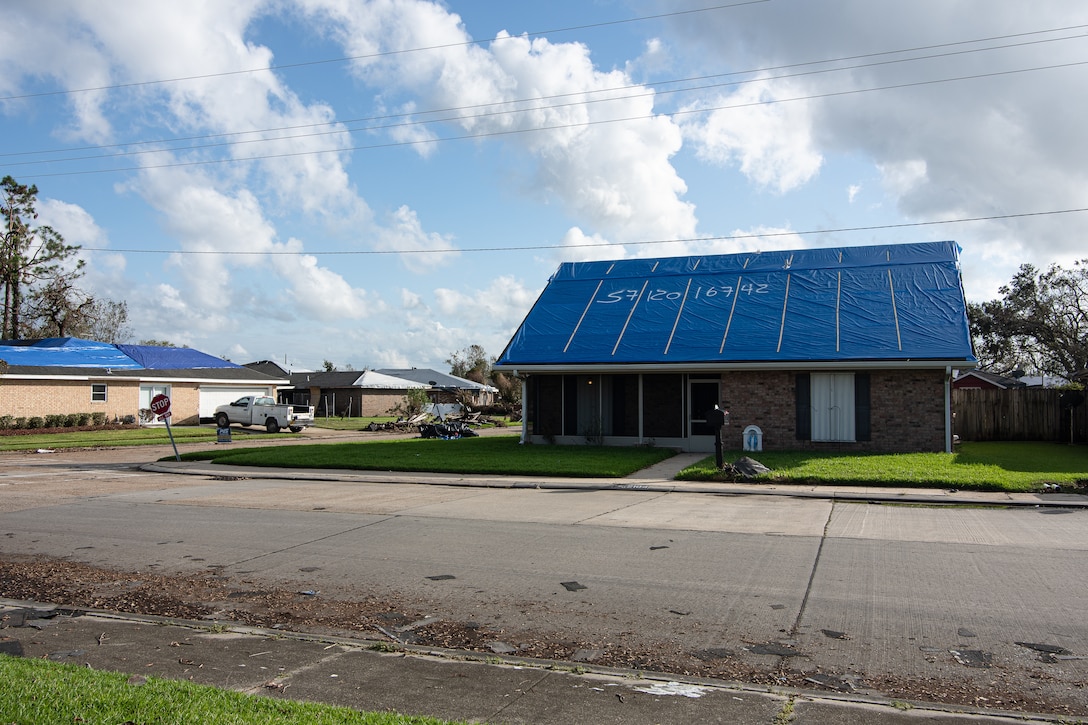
x=28, y=398
x=907, y=410
x=185, y=404
x=381, y=402
x=765, y=399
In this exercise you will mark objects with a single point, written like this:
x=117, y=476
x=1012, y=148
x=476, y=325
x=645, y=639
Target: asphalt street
x=847, y=592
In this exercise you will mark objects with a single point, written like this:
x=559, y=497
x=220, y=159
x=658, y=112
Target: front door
x=147, y=392
x=703, y=395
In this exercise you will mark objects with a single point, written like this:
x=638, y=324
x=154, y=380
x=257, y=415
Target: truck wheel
x=222, y=420
x=272, y=425
x=296, y=428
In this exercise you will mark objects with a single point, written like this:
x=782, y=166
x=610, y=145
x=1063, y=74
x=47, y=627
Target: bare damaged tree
x=28, y=254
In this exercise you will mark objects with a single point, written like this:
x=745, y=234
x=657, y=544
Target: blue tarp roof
x=72, y=352
x=889, y=302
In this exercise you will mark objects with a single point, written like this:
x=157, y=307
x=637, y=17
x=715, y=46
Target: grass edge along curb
x=990, y=466
x=491, y=455
x=38, y=690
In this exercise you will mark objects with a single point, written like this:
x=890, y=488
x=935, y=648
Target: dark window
x=803, y=425
x=570, y=405
x=663, y=403
x=98, y=392
x=545, y=410
x=624, y=395
x=862, y=425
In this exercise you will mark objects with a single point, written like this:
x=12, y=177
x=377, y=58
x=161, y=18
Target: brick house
x=352, y=393
x=371, y=392
x=69, y=375
x=826, y=349
x=985, y=380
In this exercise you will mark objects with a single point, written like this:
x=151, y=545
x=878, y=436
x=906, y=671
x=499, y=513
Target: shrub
x=7, y=422
x=71, y=420
x=19, y=424
x=129, y=419
x=35, y=422
x=98, y=418
x=54, y=420
x=82, y=419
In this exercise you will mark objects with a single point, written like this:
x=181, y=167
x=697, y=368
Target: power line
x=555, y=127
x=509, y=112
x=382, y=54
x=540, y=100
x=537, y=247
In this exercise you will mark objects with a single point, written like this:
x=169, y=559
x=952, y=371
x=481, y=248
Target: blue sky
x=382, y=183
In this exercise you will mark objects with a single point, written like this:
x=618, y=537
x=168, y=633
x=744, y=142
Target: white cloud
x=771, y=143
x=852, y=192
x=238, y=353
x=656, y=58
x=229, y=254
x=501, y=305
x=986, y=146
x=903, y=177
x=613, y=176
x=103, y=273
x=319, y=292
x=423, y=251
x=407, y=130
x=580, y=247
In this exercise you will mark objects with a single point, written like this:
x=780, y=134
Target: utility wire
x=555, y=127
x=536, y=247
x=381, y=54
x=345, y=124
x=346, y=129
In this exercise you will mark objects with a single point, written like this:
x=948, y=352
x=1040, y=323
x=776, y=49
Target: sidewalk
x=449, y=685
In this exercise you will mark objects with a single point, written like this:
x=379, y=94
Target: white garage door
x=211, y=397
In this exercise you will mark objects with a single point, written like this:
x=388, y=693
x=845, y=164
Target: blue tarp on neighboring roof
x=152, y=357
x=72, y=352
x=890, y=302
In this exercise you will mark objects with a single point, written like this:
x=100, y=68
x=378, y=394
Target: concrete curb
x=639, y=483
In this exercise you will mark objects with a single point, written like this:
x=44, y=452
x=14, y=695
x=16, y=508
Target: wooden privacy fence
x=1020, y=414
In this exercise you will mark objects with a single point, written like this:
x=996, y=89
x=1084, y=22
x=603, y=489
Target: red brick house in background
x=984, y=380
x=845, y=349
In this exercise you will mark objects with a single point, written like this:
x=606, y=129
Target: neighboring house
x=352, y=393
x=70, y=375
x=445, y=388
x=841, y=349
x=371, y=392
x=984, y=380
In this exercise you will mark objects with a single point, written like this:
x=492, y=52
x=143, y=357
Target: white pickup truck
x=262, y=410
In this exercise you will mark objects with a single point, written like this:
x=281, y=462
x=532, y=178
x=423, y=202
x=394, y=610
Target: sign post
x=160, y=406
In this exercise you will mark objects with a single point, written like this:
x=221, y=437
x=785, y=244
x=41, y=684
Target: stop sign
x=160, y=404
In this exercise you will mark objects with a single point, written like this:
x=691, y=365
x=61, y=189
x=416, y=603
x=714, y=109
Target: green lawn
x=122, y=437
x=39, y=691
x=501, y=455
x=989, y=466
